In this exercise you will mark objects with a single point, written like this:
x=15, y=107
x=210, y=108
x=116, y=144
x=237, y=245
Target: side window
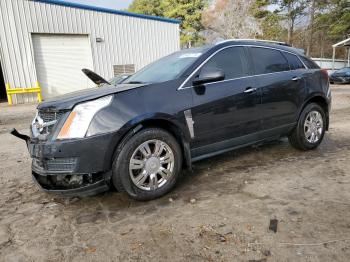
x=309, y=63
x=230, y=60
x=268, y=61
x=294, y=61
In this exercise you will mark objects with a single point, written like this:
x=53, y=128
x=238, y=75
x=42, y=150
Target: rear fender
x=320, y=99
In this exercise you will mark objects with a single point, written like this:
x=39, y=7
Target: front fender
x=155, y=119
x=172, y=124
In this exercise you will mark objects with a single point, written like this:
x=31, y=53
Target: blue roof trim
x=108, y=10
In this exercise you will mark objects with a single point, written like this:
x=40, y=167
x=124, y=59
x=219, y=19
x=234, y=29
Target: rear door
x=228, y=109
x=281, y=85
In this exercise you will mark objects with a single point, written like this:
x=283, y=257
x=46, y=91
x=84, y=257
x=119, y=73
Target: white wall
x=327, y=63
x=127, y=40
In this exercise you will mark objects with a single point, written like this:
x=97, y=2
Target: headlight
x=79, y=119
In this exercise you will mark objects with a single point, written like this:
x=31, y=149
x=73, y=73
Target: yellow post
x=14, y=91
x=39, y=92
x=9, y=96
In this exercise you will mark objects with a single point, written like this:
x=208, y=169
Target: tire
x=300, y=138
x=131, y=163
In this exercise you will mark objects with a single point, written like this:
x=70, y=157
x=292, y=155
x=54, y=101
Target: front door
x=226, y=112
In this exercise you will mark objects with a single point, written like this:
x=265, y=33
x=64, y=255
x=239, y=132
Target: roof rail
x=255, y=40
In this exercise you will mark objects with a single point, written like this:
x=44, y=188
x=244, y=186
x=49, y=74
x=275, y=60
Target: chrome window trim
x=230, y=46
x=305, y=67
x=237, y=78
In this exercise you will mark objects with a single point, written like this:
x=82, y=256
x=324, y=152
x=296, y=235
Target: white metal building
x=50, y=41
x=330, y=64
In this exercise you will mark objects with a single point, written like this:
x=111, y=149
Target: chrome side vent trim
x=189, y=121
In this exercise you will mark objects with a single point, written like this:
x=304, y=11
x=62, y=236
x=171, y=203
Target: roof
x=110, y=11
x=345, y=42
x=263, y=43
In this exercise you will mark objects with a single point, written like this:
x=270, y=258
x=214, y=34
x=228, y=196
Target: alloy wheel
x=151, y=165
x=313, y=127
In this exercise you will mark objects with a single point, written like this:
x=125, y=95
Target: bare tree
x=231, y=19
x=311, y=27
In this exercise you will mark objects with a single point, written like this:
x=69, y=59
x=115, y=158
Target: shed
x=50, y=41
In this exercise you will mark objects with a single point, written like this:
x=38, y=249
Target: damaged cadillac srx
x=138, y=134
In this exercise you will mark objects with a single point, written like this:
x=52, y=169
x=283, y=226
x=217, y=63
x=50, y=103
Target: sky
x=114, y=4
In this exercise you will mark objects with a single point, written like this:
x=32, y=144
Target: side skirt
x=240, y=142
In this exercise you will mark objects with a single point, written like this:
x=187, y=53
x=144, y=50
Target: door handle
x=250, y=90
x=296, y=78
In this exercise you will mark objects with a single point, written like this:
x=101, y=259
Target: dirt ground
x=220, y=212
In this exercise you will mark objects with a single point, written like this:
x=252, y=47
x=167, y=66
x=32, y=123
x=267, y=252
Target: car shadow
x=221, y=175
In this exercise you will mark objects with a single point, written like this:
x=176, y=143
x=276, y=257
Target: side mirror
x=209, y=75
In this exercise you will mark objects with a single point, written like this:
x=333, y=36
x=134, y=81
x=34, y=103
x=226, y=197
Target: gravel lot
x=220, y=212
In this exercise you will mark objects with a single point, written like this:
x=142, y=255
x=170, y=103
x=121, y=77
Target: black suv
x=190, y=105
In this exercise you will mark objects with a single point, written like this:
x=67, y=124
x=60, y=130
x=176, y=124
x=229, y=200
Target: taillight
x=325, y=74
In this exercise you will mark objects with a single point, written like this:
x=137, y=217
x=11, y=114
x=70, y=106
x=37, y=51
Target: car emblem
x=38, y=125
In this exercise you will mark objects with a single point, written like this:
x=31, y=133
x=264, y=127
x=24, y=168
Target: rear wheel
x=148, y=165
x=310, y=129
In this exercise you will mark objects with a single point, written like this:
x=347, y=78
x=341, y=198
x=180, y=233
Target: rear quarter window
x=294, y=61
x=309, y=63
x=268, y=60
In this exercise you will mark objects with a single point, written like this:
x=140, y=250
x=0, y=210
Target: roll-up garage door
x=59, y=60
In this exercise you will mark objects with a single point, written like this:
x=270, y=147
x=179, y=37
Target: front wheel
x=310, y=129
x=148, y=165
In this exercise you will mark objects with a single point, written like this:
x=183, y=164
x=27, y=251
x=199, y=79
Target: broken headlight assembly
x=78, y=121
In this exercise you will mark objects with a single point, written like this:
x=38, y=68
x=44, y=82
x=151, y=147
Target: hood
x=345, y=74
x=68, y=101
x=97, y=79
x=341, y=72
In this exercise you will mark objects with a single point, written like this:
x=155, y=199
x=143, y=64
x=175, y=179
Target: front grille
x=50, y=116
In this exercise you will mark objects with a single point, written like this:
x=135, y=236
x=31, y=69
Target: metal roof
x=345, y=42
x=108, y=10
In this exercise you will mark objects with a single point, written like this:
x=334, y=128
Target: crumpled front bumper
x=43, y=181
x=79, y=167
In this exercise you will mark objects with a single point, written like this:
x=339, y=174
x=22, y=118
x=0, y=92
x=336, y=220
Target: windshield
x=166, y=68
